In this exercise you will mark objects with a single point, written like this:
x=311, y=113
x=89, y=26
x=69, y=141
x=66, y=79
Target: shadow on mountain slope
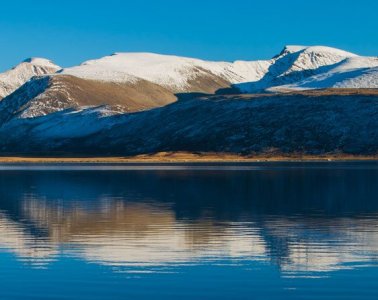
x=308, y=122
x=276, y=77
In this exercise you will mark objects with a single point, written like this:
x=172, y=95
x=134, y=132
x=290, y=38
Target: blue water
x=252, y=231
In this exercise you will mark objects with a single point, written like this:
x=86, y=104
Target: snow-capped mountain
x=182, y=75
x=138, y=81
x=132, y=103
x=12, y=79
x=130, y=81
x=352, y=72
x=178, y=74
x=296, y=63
x=296, y=67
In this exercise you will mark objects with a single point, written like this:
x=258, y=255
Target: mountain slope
x=47, y=94
x=353, y=72
x=295, y=67
x=296, y=63
x=178, y=74
x=319, y=122
x=12, y=79
x=132, y=82
x=137, y=81
x=141, y=103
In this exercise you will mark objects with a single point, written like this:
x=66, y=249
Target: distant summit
x=38, y=61
x=14, y=78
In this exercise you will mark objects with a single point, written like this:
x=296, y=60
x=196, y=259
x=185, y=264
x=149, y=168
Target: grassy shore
x=183, y=157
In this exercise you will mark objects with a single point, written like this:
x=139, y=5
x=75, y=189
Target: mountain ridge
x=309, y=100
x=288, y=69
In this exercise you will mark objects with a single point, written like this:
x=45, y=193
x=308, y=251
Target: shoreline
x=182, y=158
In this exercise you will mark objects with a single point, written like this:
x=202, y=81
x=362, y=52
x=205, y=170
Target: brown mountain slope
x=131, y=96
x=47, y=94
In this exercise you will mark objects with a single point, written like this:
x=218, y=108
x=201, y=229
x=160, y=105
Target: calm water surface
x=260, y=231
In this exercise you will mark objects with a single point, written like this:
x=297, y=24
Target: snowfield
x=170, y=71
x=353, y=72
x=176, y=73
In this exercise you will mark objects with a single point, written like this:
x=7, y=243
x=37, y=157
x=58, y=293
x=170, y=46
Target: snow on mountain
x=293, y=49
x=179, y=74
x=42, y=62
x=12, y=79
x=293, y=68
x=310, y=122
x=366, y=79
x=353, y=72
x=296, y=63
x=57, y=126
x=72, y=123
x=311, y=58
x=140, y=81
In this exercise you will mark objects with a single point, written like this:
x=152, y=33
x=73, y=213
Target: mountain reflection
x=300, y=220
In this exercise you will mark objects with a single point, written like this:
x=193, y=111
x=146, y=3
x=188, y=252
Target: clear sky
x=70, y=32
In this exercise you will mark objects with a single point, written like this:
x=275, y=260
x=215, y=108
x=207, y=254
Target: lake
x=231, y=231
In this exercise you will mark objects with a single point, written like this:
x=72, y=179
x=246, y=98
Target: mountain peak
x=38, y=61
x=290, y=49
x=293, y=48
x=14, y=78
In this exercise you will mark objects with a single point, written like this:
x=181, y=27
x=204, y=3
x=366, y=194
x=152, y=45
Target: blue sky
x=70, y=32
